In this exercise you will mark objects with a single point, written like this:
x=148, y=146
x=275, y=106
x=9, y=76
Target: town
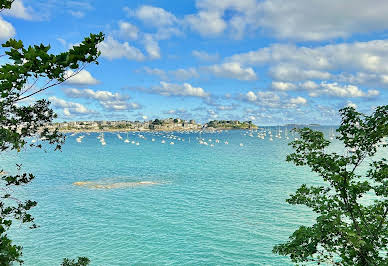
x=169, y=124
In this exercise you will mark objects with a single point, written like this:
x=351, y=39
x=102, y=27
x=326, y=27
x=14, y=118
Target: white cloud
x=70, y=108
x=283, y=86
x=169, y=89
x=212, y=114
x=18, y=10
x=156, y=72
x=151, y=46
x=293, y=73
x=128, y=30
x=304, y=20
x=77, y=14
x=6, y=30
x=309, y=85
x=154, y=16
x=335, y=89
x=360, y=56
x=265, y=98
x=206, y=23
x=112, y=49
x=82, y=78
x=184, y=74
x=321, y=20
x=120, y=105
x=167, y=32
x=232, y=70
x=358, y=63
x=211, y=19
x=108, y=100
x=269, y=99
x=226, y=107
x=204, y=56
x=298, y=100
x=97, y=95
x=351, y=104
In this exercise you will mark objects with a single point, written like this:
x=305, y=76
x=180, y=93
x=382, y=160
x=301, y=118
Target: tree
x=157, y=122
x=352, y=206
x=81, y=261
x=28, y=71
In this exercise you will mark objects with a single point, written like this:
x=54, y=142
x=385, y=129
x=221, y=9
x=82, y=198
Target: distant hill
x=230, y=124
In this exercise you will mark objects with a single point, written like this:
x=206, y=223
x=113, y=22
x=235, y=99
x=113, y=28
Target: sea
x=175, y=198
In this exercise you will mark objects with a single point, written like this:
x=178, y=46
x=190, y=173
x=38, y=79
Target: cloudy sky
x=269, y=61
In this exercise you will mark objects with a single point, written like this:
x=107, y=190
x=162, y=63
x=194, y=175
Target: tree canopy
x=351, y=224
x=29, y=70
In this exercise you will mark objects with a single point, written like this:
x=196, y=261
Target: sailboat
x=286, y=133
x=126, y=140
x=332, y=134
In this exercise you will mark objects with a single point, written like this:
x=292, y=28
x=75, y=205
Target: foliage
x=351, y=224
x=28, y=71
x=157, y=122
x=5, y=4
x=81, y=261
x=230, y=124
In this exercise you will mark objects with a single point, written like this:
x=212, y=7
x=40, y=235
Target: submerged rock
x=99, y=185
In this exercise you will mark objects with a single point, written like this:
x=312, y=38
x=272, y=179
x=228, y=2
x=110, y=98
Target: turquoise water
x=210, y=205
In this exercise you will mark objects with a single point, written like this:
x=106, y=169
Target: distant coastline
x=170, y=124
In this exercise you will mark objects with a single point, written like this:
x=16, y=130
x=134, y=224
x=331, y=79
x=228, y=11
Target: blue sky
x=269, y=61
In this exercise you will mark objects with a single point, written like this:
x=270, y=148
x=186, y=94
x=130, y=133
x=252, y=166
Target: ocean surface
x=158, y=203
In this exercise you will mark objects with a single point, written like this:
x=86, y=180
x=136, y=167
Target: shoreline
x=145, y=130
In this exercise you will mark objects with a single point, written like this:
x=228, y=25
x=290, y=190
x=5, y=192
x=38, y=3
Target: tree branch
x=52, y=85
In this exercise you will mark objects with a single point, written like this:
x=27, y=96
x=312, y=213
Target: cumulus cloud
x=113, y=49
x=169, y=89
x=293, y=73
x=269, y=99
x=97, y=95
x=179, y=74
x=151, y=46
x=107, y=99
x=232, y=70
x=6, y=29
x=298, y=100
x=204, y=56
x=324, y=88
x=225, y=70
x=362, y=56
x=359, y=63
x=82, y=78
x=18, y=10
x=70, y=108
x=211, y=19
x=184, y=74
x=206, y=23
x=301, y=20
x=265, y=98
x=156, y=72
x=283, y=86
x=296, y=20
x=172, y=89
x=153, y=16
x=349, y=91
x=128, y=30
x=321, y=20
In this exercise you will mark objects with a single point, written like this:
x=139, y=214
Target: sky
x=273, y=62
